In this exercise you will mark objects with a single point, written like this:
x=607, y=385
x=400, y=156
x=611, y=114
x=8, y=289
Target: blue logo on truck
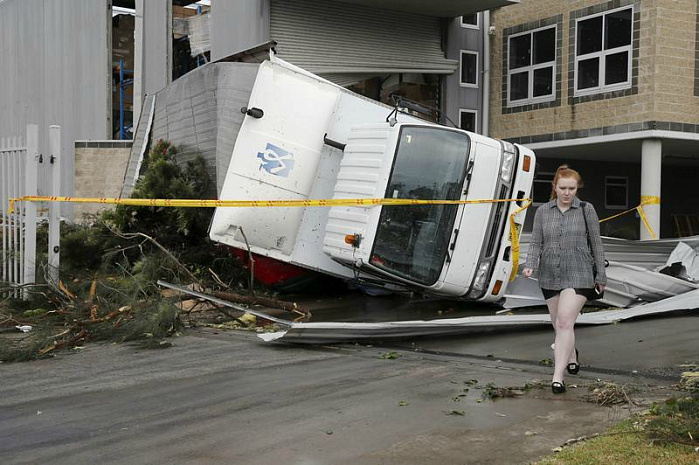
x=276, y=160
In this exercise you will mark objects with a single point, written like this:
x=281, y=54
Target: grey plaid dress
x=559, y=247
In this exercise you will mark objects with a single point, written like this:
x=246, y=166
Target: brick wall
x=99, y=172
x=664, y=55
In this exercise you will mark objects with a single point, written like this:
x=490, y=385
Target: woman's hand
x=527, y=272
x=600, y=287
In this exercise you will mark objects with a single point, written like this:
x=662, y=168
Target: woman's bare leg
x=552, y=304
x=569, y=306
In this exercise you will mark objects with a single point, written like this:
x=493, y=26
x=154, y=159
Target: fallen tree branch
x=162, y=249
x=252, y=300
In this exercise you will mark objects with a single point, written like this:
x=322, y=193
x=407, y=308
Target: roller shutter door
x=339, y=41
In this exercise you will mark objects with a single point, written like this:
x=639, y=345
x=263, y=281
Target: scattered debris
x=690, y=381
x=608, y=393
x=24, y=328
x=491, y=391
x=390, y=355
x=458, y=413
x=402, y=403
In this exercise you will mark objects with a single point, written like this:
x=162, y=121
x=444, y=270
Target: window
x=616, y=192
x=542, y=187
x=603, y=52
x=531, y=67
x=468, y=120
x=470, y=21
x=469, y=69
x=412, y=241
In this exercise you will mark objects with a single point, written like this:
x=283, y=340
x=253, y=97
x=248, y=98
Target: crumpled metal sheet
x=632, y=277
x=319, y=333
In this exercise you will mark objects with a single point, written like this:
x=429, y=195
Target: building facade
x=612, y=89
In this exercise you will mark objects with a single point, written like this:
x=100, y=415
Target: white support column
x=31, y=173
x=54, y=207
x=137, y=64
x=651, y=170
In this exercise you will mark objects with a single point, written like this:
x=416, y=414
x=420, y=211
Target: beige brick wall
x=665, y=89
x=99, y=172
x=675, y=61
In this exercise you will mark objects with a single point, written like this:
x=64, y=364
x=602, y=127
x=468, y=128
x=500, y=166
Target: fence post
x=54, y=207
x=4, y=199
x=31, y=172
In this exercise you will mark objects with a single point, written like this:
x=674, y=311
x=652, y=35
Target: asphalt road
x=226, y=397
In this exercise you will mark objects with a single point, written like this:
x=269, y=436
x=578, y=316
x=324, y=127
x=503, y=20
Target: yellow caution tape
x=514, y=236
x=645, y=200
x=197, y=203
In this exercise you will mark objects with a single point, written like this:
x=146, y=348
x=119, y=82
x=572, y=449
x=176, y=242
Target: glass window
x=616, y=69
x=543, y=49
x=543, y=82
x=603, y=58
x=470, y=20
x=590, y=35
x=542, y=187
x=531, y=66
x=469, y=69
x=520, y=51
x=617, y=29
x=467, y=120
x=412, y=241
x=519, y=86
x=588, y=73
x=616, y=192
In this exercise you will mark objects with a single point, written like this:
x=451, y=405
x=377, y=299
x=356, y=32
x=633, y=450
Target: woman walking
x=566, y=247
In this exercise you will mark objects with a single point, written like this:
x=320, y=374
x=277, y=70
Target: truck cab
x=451, y=250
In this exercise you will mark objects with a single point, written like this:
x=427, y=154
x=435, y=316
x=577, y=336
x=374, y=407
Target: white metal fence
x=18, y=174
x=19, y=171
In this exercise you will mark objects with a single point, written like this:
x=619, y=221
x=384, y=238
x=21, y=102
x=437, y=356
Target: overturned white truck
x=307, y=138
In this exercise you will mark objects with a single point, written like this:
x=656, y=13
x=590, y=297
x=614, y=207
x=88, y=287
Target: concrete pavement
x=226, y=397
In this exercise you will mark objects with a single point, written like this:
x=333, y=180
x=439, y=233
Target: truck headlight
x=508, y=159
x=481, y=276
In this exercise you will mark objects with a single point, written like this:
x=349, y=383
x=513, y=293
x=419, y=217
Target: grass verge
x=665, y=434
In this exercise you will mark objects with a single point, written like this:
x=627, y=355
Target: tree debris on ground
x=608, y=393
x=110, y=266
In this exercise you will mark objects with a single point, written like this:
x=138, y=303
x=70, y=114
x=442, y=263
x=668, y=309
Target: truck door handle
x=452, y=245
x=255, y=112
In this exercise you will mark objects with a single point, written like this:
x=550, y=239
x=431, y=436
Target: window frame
x=531, y=100
x=602, y=55
x=607, y=184
x=476, y=129
x=471, y=26
x=548, y=181
x=461, y=67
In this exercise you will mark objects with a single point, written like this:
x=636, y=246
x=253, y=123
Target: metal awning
x=437, y=8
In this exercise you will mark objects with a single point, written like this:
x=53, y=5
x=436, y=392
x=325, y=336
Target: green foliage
x=164, y=178
x=677, y=420
x=84, y=248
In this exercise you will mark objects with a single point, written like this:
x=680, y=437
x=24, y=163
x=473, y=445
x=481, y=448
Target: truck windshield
x=412, y=241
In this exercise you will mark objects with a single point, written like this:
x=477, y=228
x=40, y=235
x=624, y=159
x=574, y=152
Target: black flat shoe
x=574, y=367
x=558, y=388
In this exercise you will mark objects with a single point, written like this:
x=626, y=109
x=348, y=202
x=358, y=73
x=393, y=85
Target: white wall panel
x=55, y=69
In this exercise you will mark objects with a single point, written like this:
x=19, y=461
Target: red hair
x=564, y=172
